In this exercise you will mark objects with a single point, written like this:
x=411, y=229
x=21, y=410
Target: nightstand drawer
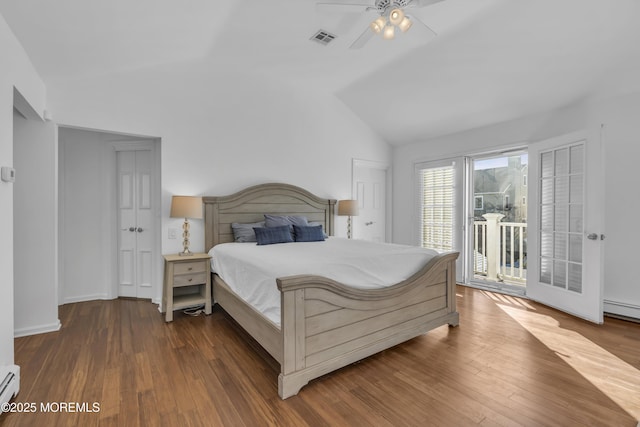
x=189, y=279
x=190, y=267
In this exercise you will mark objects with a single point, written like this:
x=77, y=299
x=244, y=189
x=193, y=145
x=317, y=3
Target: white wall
x=222, y=131
x=622, y=127
x=35, y=217
x=16, y=72
x=85, y=242
x=622, y=205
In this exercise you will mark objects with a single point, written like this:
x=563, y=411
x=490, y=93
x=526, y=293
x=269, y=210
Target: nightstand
x=187, y=283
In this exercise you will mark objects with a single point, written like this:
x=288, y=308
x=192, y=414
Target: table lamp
x=348, y=208
x=186, y=207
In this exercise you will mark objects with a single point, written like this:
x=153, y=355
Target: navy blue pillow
x=308, y=234
x=271, y=235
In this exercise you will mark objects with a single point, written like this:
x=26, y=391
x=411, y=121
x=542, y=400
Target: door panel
x=135, y=224
x=565, y=207
x=126, y=220
x=144, y=219
x=370, y=187
x=440, y=197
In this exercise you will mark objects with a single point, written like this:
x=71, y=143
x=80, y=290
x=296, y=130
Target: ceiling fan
x=392, y=17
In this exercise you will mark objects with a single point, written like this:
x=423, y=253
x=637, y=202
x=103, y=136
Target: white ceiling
x=492, y=60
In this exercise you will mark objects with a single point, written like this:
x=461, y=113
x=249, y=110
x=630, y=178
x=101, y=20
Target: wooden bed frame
x=326, y=325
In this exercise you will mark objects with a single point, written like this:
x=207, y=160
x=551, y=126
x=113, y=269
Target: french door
x=440, y=190
x=135, y=224
x=565, y=223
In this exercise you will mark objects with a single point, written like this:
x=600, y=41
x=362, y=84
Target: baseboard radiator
x=10, y=382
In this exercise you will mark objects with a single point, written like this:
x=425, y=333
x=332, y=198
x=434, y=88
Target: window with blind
x=436, y=198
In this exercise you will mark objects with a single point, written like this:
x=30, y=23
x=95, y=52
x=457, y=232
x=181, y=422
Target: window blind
x=437, y=207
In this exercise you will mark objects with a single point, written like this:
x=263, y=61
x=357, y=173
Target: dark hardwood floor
x=510, y=362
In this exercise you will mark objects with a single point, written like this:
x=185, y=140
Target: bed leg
x=290, y=386
x=454, y=319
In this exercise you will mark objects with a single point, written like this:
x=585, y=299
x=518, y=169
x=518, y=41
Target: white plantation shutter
x=436, y=199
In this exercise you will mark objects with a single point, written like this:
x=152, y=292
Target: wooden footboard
x=326, y=325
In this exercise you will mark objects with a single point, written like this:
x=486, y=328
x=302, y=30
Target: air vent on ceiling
x=323, y=37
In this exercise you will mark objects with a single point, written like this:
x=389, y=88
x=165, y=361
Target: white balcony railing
x=500, y=251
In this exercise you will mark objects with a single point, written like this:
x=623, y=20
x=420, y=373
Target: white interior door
x=565, y=224
x=370, y=183
x=135, y=224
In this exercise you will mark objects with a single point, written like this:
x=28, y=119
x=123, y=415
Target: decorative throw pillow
x=271, y=235
x=308, y=234
x=315, y=223
x=244, y=232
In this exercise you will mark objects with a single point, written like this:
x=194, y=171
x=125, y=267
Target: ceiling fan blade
x=343, y=7
x=422, y=3
x=362, y=39
x=421, y=25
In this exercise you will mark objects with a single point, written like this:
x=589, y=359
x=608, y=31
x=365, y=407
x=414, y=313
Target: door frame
x=152, y=145
x=469, y=275
x=372, y=164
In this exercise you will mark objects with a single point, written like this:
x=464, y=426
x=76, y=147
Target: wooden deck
x=510, y=362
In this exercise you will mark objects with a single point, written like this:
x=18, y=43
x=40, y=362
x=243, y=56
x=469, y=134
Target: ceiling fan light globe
x=389, y=32
x=396, y=16
x=378, y=25
x=405, y=24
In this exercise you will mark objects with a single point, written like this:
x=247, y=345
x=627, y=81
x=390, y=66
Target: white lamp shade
x=348, y=208
x=405, y=24
x=377, y=25
x=389, y=32
x=396, y=16
x=186, y=207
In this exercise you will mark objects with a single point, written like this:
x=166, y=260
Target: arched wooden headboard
x=250, y=205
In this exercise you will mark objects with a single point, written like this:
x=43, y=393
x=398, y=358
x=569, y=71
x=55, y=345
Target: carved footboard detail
x=326, y=325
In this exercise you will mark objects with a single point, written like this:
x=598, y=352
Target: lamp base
x=185, y=239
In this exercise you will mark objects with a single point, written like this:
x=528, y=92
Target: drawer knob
x=190, y=280
x=190, y=268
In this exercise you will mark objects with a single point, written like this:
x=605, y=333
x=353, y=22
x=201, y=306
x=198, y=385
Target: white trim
x=84, y=298
x=622, y=308
x=35, y=330
x=498, y=149
x=107, y=131
x=134, y=145
x=60, y=160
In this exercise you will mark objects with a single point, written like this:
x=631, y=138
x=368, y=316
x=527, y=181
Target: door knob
x=132, y=229
x=139, y=230
x=592, y=236
x=368, y=223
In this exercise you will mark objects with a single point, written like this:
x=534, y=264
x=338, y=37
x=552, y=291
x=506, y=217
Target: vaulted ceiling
x=491, y=61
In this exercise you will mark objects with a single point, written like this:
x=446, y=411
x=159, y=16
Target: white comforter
x=250, y=270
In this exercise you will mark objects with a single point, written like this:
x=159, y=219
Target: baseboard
x=84, y=298
x=40, y=329
x=618, y=308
